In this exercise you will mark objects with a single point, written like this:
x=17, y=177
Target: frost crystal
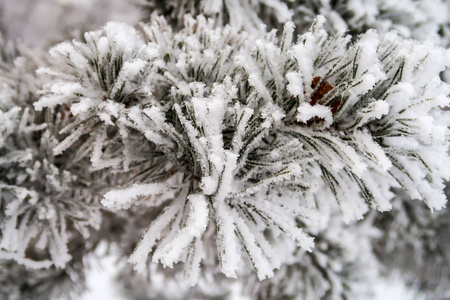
x=232, y=124
x=206, y=146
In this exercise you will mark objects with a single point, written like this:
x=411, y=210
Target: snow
x=256, y=81
x=261, y=263
x=154, y=232
x=307, y=112
x=102, y=285
x=393, y=288
x=208, y=185
x=372, y=149
x=124, y=198
x=62, y=92
x=227, y=244
x=295, y=86
x=196, y=223
x=233, y=137
x=83, y=106
x=128, y=71
x=101, y=276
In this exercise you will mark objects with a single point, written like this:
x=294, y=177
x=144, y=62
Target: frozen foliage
x=42, y=197
x=222, y=159
x=243, y=14
x=338, y=268
x=419, y=19
x=416, y=243
x=106, y=77
x=244, y=132
x=21, y=282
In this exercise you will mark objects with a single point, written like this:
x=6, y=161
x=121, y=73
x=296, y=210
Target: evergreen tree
x=254, y=161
